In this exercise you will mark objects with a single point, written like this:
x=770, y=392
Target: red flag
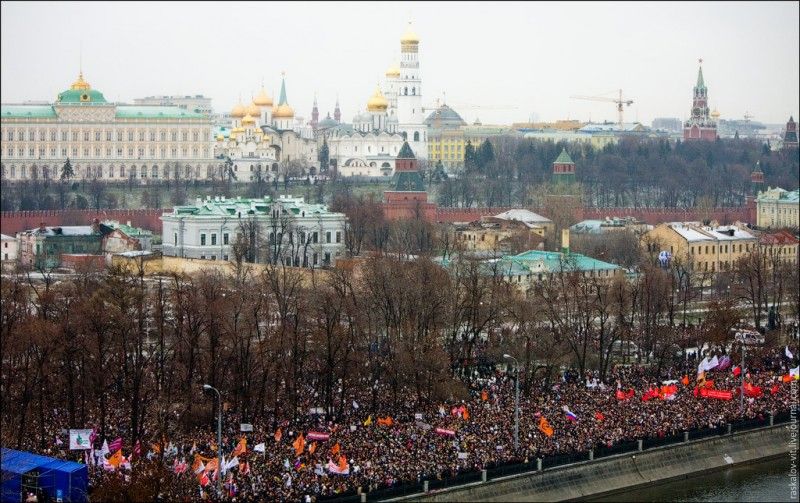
x=752, y=391
x=774, y=389
x=736, y=371
x=599, y=416
x=312, y=447
x=709, y=384
x=685, y=380
x=484, y=395
x=335, y=449
x=278, y=435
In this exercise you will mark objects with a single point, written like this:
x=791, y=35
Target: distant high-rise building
x=197, y=103
x=700, y=126
x=790, y=136
x=671, y=124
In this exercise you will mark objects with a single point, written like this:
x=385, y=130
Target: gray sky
x=531, y=56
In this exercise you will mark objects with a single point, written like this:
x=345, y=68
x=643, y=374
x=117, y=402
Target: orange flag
x=212, y=465
x=465, y=415
x=385, y=421
x=342, y=463
x=545, y=427
x=685, y=380
x=335, y=449
x=278, y=435
x=312, y=447
x=241, y=448
x=484, y=395
x=116, y=459
x=299, y=445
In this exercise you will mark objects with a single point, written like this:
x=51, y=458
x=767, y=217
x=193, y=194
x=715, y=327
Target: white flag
x=104, y=451
x=355, y=405
x=234, y=462
x=789, y=354
x=79, y=439
x=795, y=372
x=713, y=363
x=260, y=447
x=702, y=366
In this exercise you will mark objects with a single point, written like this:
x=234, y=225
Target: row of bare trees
x=129, y=353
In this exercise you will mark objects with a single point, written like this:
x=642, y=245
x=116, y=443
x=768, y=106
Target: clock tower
x=700, y=126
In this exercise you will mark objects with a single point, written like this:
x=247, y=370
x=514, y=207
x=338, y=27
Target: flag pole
x=741, y=390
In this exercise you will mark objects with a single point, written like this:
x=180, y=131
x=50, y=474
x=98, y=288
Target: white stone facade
x=285, y=230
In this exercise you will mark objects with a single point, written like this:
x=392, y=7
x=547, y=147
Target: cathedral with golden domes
x=369, y=146
x=266, y=141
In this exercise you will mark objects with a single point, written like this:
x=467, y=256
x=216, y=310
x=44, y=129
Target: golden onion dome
x=220, y=137
x=393, y=72
x=80, y=84
x=253, y=109
x=409, y=37
x=263, y=99
x=238, y=111
x=248, y=120
x=283, y=112
x=377, y=103
x=715, y=114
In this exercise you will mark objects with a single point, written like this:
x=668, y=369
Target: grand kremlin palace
x=105, y=141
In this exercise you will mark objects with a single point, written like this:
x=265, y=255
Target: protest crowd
x=316, y=456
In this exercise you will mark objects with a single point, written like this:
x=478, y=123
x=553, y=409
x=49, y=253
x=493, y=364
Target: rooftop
x=222, y=207
x=525, y=216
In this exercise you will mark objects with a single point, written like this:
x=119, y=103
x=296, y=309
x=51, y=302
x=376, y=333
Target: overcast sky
x=510, y=59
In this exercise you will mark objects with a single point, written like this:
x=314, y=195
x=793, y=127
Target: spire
x=700, y=83
x=337, y=114
x=282, y=100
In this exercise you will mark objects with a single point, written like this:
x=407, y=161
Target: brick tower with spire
x=407, y=197
x=700, y=126
x=563, y=169
x=314, y=114
x=337, y=114
x=790, y=136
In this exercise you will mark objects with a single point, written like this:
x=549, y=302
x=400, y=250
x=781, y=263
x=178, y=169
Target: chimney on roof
x=731, y=232
x=565, y=241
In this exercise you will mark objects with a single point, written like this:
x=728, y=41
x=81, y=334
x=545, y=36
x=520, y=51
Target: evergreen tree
x=66, y=170
x=469, y=156
x=324, y=156
x=485, y=154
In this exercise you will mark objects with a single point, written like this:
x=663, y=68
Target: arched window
x=405, y=91
x=154, y=172
x=122, y=171
x=413, y=91
x=143, y=172
x=416, y=135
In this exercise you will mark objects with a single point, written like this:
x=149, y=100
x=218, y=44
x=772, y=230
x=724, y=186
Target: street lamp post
x=219, y=435
x=741, y=389
x=516, y=401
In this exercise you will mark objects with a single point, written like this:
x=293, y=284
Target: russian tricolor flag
x=570, y=415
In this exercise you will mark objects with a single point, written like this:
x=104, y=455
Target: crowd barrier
x=546, y=462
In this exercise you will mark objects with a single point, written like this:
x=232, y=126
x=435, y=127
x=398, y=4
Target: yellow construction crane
x=619, y=101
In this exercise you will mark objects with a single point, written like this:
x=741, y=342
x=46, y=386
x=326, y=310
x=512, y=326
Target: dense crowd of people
x=388, y=447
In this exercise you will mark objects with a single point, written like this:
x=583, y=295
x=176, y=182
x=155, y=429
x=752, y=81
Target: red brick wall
x=12, y=222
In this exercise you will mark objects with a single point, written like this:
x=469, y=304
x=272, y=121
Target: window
x=202, y=239
x=213, y=239
x=152, y=136
x=416, y=135
x=327, y=257
x=224, y=257
x=213, y=257
x=225, y=239
x=108, y=135
x=314, y=260
x=328, y=237
x=175, y=235
x=202, y=257
x=86, y=136
x=315, y=239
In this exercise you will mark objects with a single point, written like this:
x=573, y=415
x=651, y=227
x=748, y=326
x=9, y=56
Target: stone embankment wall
x=625, y=471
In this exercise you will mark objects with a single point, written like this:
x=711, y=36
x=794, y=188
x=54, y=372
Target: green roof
x=700, y=83
x=556, y=261
x=282, y=100
x=155, y=112
x=27, y=111
x=406, y=152
x=81, y=96
x=563, y=158
x=407, y=181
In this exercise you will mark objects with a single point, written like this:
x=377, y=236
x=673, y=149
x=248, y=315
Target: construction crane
x=619, y=101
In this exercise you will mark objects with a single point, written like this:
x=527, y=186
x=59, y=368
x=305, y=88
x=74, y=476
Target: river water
x=763, y=481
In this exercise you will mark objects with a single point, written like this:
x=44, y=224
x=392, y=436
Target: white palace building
x=105, y=141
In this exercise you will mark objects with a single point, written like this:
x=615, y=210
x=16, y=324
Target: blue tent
x=25, y=472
